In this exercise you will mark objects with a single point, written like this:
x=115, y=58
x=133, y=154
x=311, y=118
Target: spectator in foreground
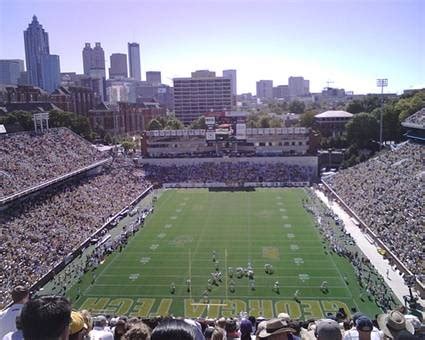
x=99, y=331
x=20, y=296
x=16, y=335
x=46, y=318
x=394, y=325
x=173, y=329
x=78, y=328
x=138, y=331
x=276, y=329
x=363, y=330
x=328, y=329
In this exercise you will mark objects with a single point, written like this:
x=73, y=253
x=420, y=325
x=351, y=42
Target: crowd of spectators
x=387, y=193
x=235, y=172
x=40, y=232
x=52, y=317
x=29, y=159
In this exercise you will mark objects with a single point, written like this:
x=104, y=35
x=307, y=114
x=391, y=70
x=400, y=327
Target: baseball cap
x=328, y=329
x=364, y=324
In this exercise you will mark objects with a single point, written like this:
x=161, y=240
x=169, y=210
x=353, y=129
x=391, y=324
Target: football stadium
x=212, y=170
x=203, y=226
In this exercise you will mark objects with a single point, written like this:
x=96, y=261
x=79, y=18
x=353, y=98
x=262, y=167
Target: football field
x=178, y=242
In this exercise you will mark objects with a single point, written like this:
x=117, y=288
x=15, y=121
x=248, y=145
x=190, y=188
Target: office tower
x=87, y=58
x=98, y=58
x=134, y=61
x=298, y=86
x=153, y=77
x=231, y=74
x=265, y=89
x=50, y=71
x=118, y=65
x=10, y=71
x=36, y=44
x=200, y=94
x=281, y=91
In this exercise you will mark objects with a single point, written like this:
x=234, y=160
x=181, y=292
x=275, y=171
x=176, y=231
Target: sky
x=350, y=43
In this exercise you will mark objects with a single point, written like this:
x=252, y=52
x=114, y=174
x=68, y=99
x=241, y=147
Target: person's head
x=120, y=327
x=78, y=327
x=394, y=323
x=221, y=323
x=137, y=331
x=276, y=329
x=245, y=326
x=20, y=294
x=328, y=329
x=231, y=326
x=173, y=329
x=46, y=318
x=218, y=334
x=99, y=321
x=364, y=325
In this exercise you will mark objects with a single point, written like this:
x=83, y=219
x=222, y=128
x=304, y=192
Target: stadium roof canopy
x=416, y=120
x=334, y=114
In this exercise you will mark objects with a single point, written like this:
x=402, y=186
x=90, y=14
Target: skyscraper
x=118, y=65
x=50, y=70
x=98, y=58
x=134, y=61
x=153, y=77
x=200, y=94
x=298, y=86
x=87, y=58
x=10, y=71
x=36, y=44
x=231, y=74
x=265, y=89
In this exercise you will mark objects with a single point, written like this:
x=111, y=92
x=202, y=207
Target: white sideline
x=394, y=280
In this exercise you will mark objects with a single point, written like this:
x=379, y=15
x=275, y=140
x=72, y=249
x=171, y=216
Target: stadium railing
x=400, y=265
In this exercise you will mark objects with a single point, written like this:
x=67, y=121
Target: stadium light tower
x=381, y=83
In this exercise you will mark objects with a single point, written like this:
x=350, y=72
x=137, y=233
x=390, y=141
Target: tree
x=307, y=118
x=362, y=129
x=198, y=123
x=128, y=144
x=296, y=107
x=275, y=122
x=174, y=124
x=23, y=118
x=264, y=122
x=154, y=124
x=355, y=106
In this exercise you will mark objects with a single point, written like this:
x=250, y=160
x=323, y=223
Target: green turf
x=263, y=226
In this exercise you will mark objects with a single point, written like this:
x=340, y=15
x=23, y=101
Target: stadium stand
x=229, y=172
x=29, y=159
x=387, y=193
x=38, y=233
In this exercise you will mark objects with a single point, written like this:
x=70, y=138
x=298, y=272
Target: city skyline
x=350, y=43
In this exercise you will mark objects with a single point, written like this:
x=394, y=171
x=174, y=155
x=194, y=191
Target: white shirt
x=99, y=333
x=353, y=334
x=8, y=319
x=17, y=335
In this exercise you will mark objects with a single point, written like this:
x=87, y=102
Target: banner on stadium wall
x=210, y=135
x=235, y=184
